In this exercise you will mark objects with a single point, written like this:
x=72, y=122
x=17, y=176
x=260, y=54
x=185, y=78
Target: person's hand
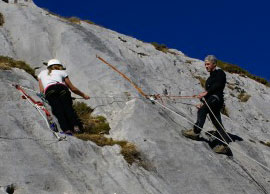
x=201, y=95
x=198, y=106
x=86, y=97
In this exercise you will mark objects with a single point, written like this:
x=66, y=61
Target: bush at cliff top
x=236, y=69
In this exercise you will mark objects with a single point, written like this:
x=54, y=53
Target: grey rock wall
x=32, y=159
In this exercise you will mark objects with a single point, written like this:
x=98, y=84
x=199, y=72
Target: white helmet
x=54, y=62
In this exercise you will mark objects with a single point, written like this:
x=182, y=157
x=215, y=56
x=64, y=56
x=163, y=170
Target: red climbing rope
x=124, y=76
x=37, y=103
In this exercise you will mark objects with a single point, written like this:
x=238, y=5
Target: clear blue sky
x=236, y=31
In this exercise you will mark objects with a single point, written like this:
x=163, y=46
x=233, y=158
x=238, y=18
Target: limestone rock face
x=18, y=1
x=35, y=162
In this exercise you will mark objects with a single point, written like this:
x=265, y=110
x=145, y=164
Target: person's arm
x=74, y=89
x=201, y=95
x=41, y=89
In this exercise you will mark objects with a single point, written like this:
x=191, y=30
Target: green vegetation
x=76, y=20
x=162, y=48
x=2, y=20
x=92, y=124
x=243, y=97
x=94, y=129
x=89, y=22
x=72, y=19
x=236, y=69
x=189, y=61
x=6, y=63
x=128, y=150
x=265, y=143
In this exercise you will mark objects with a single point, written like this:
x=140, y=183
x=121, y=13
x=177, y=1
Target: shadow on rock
x=214, y=140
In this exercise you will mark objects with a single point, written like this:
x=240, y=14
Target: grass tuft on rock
x=128, y=150
x=2, y=19
x=74, y=20
x=265, y=143
x=238, y=70
x=95, y=128
x=160, y=47
x=163, y=48
x=243, y=97
x=92, y=124
x=89, y=22
x=7, y=63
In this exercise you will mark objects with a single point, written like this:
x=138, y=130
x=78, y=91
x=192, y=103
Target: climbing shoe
x=191, y=134
x=222, y=149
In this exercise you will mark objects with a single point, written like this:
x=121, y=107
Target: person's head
x=210, y=63
x=54, y=64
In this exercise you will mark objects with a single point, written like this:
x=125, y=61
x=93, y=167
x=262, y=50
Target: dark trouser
x=215, y=106
x=59, y=98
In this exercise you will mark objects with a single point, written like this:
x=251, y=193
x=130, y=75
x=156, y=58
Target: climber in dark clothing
x=213, y=95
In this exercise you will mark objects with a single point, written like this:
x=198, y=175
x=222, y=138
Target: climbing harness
x=40, y=107
x=154, y=99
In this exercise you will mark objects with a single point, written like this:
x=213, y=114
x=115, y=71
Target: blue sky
x=237, y=32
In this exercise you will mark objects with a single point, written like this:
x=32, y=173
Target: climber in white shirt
x=55, y=84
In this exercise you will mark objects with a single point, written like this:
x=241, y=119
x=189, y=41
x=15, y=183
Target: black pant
x=215, y=106
x=59, y=98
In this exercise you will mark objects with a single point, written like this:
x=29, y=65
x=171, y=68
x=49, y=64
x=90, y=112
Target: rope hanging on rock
x=218, y=122
x=155, y=96
x=36, y=103
x=124, y=76
x=153, y=99
x=39, y=106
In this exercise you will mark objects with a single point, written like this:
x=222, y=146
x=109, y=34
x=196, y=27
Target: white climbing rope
x=235, y=149
x=217, y=121
x=39, y=108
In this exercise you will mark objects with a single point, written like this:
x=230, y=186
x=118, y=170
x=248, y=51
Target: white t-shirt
x=56, y=76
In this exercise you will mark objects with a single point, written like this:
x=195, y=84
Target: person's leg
x=52, y=96
x=201, y=117
x=216, y=120
x=195, y=132
x=72, y=117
